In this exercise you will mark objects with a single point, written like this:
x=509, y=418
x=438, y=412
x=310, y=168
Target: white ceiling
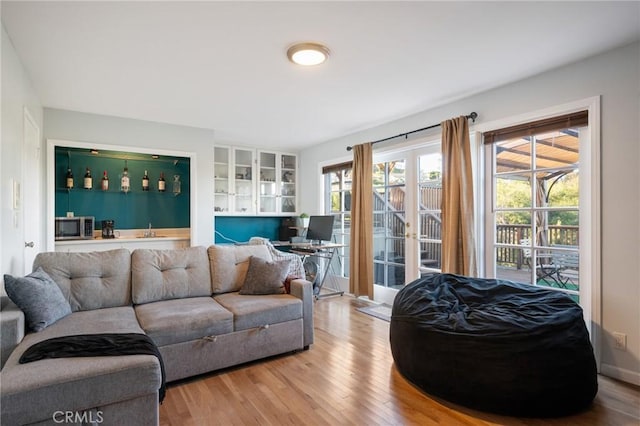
x=222, y=65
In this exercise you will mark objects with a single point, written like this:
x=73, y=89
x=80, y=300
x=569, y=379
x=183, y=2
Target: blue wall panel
x=132, y=210
x=241, y=229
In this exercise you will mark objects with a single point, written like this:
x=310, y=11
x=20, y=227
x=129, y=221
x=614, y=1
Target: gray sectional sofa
x=186, y=300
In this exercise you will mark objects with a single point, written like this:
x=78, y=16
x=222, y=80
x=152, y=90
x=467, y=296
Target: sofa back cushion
x=169, y=274
x=229, y=265
x=90, y=280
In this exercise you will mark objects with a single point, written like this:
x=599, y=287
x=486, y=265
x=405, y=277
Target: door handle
x=29, y=244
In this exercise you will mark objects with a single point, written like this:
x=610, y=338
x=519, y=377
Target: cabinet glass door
x=243, y=181
x=288, y=178
x=277, y=182
x=221, y=182
x=267, y=189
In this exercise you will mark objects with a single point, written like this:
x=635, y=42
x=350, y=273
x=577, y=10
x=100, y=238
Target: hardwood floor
x=348, y=378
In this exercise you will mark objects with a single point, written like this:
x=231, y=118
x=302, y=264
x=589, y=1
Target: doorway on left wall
x=28, y=197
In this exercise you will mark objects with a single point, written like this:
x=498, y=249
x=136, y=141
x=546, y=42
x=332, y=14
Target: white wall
x=17, y=93
x=615, y=76
x=101, y=129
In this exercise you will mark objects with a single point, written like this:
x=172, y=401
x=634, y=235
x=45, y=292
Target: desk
x=323, y=251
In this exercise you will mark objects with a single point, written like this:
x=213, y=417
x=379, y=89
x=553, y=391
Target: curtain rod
x=472, y=116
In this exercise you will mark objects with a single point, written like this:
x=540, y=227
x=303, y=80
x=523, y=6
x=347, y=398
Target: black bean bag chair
x=494, y=345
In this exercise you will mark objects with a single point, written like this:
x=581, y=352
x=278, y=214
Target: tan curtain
x=361, y=254
x=458, y=243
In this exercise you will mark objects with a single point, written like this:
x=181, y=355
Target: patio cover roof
x=553, y=151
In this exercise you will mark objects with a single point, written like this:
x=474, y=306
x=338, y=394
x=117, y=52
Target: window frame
x=590, y=214
x=340, y=264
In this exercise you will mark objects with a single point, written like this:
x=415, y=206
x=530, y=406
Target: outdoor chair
x=560, y=267
x=568, y=263
x=545, y=268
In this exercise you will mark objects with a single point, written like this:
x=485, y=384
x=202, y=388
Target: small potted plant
x=304, y=220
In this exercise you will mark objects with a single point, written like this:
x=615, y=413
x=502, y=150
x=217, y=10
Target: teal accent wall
x=242, y=228
x=133, y=210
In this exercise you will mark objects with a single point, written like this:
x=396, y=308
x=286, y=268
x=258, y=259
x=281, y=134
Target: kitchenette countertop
x=133, y=235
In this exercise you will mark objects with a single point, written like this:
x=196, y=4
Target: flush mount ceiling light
x=308, y=54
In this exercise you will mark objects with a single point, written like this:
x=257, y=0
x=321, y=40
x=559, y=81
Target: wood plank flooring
x=348, y=378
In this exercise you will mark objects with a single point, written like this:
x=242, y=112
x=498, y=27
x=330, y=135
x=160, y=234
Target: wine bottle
x=69, y=182
x=162, y=185
x=88, y=180
x=105, y=182
x=145, y=181
x=124, y=181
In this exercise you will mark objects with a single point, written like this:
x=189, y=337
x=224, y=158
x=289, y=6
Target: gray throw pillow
x=264, y=277
x=39, y=297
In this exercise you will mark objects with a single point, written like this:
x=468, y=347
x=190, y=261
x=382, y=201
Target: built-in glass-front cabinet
x=234, y=180
x=250, y=182
x=277, y=183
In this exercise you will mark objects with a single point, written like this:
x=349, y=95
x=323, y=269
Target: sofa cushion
x=264, y=277
x=256, y=311
x=108, y=320
x=296, y=268
x=39, y=297
x=180, y=320
x=229, y=265
x=169, y=274
x=90, y=280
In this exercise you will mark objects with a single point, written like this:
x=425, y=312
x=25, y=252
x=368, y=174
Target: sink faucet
x=149, y=233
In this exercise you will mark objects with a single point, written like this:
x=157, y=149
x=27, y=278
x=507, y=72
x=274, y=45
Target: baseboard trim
x=618, y=373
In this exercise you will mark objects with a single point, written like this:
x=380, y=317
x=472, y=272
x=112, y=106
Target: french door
x=407, y=188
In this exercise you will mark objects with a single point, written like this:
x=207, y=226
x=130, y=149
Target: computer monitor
x=320, y=228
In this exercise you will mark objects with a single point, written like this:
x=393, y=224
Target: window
x=338, y=203
x=407, y=241
x=536, y=202
x=390, y=222
x=429, y=210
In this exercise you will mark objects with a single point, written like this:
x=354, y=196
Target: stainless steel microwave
x=75, y=228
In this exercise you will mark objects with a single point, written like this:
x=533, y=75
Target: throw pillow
x=39, y=297
x=264, y=277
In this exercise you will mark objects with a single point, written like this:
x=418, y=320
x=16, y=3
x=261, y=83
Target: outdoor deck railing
x=566, y=235
x=430, y=198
